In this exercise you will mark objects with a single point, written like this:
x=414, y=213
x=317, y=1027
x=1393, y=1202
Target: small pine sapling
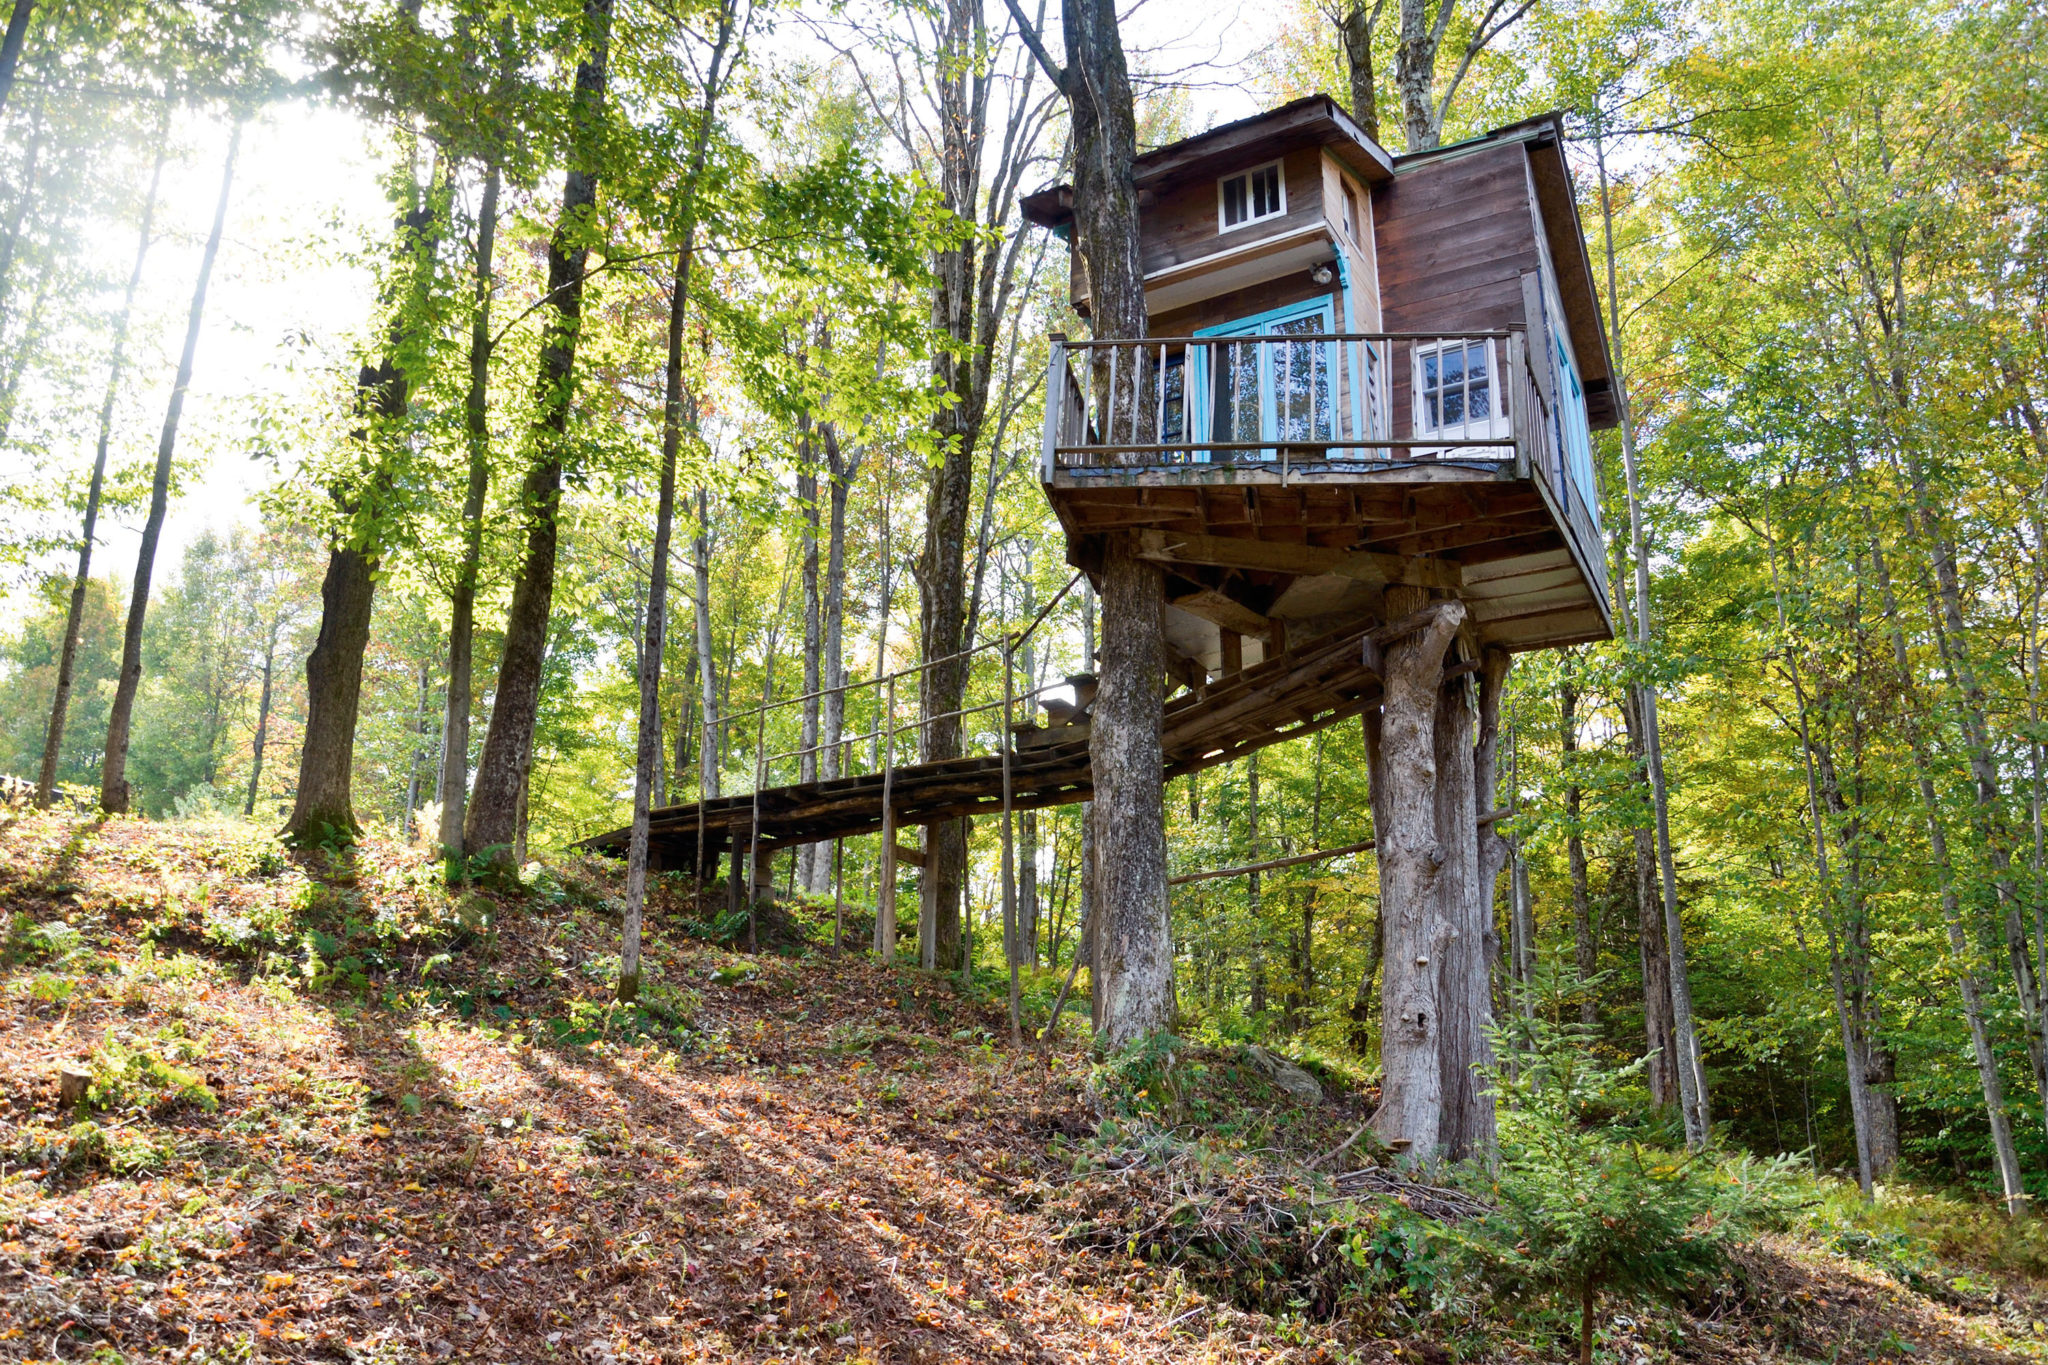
x=1584, y=1208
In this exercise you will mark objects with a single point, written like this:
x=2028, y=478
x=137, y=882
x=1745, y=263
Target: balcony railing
x=1309, y=403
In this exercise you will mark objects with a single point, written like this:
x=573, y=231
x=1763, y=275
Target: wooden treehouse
x=1362, y=370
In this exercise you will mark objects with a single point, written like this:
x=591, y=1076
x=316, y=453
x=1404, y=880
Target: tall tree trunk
x=476, y=430
x=707, y=659
x=1415, y=71
x=1254, y=901
x=1134, y=932
x=262, y=738
x=10, y=47
x=1460, y=960
x=114, y=795
x=1658, y=1030
x=324, y=807
x=491, y=815
x=1944, y=608
x=1988, y=1080
x=1585, y=952
x=1692, y=1081
x=1402, y=755
x=1133, y=961
x=1467, y=788
x=1028, y=910
x=1881, y=1113
x=648, y=755
x=419, y=755
x=832, y=718
x=960, y=370
x=1355, y=29
x=74, y=616
x=811, y=867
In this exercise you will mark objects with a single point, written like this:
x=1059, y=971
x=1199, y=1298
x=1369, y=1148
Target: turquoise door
x=1268, y=391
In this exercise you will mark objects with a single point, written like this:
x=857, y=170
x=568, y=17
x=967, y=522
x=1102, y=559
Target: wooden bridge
x=1296, y=692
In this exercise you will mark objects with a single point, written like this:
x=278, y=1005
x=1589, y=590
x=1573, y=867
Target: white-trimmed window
x=1457, y=394
x=1251, y=196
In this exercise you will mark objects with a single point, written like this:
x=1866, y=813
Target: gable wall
x=1454, y=238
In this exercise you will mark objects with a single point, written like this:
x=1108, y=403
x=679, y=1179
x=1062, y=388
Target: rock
x=1285, y=1074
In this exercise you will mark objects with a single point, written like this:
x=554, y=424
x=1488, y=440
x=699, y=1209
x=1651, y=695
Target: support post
x=928, y=902
x=838, y=896
x=1401, y=752
x=703, y=752
x=1009, y=851
x=754, y=839
x=885, y=902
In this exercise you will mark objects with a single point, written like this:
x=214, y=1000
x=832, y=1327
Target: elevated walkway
x=1294, y=693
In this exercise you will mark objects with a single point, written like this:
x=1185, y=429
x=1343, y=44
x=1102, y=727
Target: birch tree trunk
x=114, y=795
x=1692, y=1081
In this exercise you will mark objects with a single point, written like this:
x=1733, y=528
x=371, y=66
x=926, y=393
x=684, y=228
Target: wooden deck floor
x=1316, y=684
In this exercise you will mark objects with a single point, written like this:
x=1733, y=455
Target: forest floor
x=335, y=1117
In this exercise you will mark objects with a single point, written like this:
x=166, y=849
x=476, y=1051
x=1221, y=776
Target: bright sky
x=306, y=195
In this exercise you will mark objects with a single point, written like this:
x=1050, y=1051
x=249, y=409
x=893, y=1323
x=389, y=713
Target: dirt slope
x=334, y=1120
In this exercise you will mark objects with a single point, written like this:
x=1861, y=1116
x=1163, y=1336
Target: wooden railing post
x=1055, y=404
x=1519, y=418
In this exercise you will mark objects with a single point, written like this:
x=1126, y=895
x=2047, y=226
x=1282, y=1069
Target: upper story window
x=1251, y=196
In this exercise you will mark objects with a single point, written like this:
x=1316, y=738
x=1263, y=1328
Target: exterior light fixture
x=1322, y=274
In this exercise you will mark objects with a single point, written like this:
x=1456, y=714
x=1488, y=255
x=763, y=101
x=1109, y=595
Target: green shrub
x=140, y=1076
x=86, y=1146
x=30, y=941
x=1140, y=1078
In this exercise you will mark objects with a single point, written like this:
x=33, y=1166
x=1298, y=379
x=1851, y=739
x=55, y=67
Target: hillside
x=335, y=1116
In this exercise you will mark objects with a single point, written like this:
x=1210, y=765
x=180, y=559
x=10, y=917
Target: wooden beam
x=1320, y=855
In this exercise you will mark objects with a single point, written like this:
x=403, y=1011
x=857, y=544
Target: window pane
x=1479, y=403
x=1173, y=425
x=1233, y=201
x=1301, y=403
x=1266, y=192
x=1236, y=367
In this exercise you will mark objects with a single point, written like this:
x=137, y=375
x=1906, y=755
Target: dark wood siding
x=1244, y=303
x=1183, y=224
x=1454, y=239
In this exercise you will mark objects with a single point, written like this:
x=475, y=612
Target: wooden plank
x=1225, y=611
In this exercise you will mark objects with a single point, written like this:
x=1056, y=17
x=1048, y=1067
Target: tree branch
x=1036, y=44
